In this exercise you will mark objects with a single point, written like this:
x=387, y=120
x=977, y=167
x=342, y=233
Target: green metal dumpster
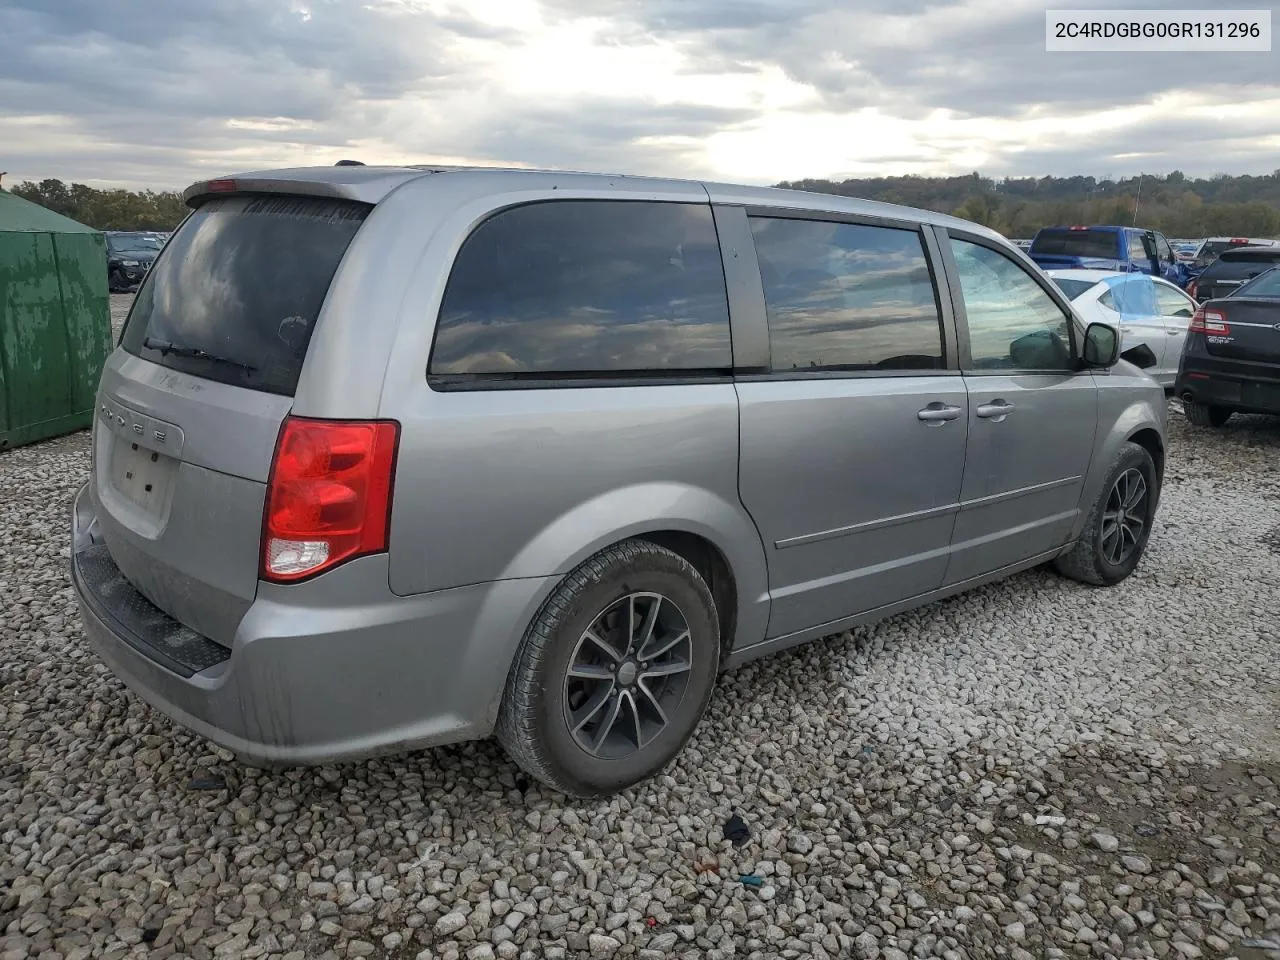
x=55, y=321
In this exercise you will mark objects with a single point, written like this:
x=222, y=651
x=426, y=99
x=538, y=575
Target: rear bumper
x=337, y=668
x=1239, y=385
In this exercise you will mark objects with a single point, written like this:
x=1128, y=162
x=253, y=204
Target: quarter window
x=1013, y=323
x=582, y=287
x=844, y=296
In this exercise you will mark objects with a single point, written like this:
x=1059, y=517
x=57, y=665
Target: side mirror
x=1101, y=345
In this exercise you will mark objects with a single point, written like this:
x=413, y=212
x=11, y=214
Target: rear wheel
x=614, y=673
x=1115, y=534
x=1204, y=415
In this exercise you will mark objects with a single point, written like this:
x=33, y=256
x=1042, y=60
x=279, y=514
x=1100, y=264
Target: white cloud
x=742, y=90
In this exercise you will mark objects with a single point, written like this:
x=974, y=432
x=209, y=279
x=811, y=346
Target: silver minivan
x=395, y=457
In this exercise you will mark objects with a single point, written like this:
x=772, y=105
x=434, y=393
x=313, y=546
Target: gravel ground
x=120, y=304
x=1033, y=770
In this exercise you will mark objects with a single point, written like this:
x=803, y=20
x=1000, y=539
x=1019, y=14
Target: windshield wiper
x=165, y=348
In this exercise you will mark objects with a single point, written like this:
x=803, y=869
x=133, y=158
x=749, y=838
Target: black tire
x=114, y=284
x=533, y=720
x=1204, y=415
x=1088, y=560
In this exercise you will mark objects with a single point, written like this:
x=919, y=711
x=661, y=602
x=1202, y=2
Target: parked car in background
x=1234, y=266
x=1213, y=247
x=1120, y=249
x=1231, y=363
x=1022, y=244
x=129, y=256
x=1186, y=250
x=1147, y=310
x=554, y=490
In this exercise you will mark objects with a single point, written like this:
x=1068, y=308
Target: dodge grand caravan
x=393, y=457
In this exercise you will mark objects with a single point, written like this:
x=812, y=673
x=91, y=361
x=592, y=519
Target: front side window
x=582, y=287
x=1013, y=323
x=845, y=296
x=1173, y=303
x=1137, y=248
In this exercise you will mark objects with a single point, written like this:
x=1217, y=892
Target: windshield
x=1264, y=285
x=135, y=244
x=1072, y=288
x=1076, y=243
x=237, y=290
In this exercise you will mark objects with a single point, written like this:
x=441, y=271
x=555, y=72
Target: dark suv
x=129, y=257
x=1233, y=268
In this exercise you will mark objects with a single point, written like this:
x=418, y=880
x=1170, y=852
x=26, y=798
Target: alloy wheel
x=1125, y=517
x=629, y=671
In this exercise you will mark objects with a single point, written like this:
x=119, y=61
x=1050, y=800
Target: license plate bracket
x=142, y=476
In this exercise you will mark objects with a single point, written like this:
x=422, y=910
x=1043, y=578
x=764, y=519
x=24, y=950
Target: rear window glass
x=1076, y=243
x=1072, y=288
x=237, y=290
x=1265, y=285
x=586, y=287
x=1231, y=266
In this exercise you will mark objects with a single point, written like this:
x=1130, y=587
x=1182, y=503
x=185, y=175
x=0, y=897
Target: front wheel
x=1115, y=534
x=1204, y=415
x=614, y=673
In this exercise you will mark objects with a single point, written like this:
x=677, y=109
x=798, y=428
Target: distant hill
x=1173, y=204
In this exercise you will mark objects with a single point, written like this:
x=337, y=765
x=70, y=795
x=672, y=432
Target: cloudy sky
x=163, y=92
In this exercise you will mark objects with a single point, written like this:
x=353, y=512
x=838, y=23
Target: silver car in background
x=394, y=457
x=1148, y=311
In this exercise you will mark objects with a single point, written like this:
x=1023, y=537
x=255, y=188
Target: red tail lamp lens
x=329, y=497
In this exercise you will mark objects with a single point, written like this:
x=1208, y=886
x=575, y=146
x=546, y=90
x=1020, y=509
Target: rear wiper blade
x=165, y=348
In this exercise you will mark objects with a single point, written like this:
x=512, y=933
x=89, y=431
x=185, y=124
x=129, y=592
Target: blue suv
x=1108, y=248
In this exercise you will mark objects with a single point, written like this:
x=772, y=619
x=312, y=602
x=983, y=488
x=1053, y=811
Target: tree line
x=1175, y=205
x=107, y=209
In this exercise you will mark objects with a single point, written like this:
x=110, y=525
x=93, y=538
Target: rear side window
x=238, y=288
x=1077, y=243
x=586, y=287
x=845, y=296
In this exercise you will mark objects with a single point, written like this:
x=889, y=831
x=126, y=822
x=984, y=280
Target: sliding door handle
x=996, y=410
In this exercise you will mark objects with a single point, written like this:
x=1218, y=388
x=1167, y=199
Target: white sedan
x=1143, y=308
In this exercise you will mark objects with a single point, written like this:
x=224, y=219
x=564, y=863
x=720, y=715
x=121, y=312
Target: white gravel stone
x=1106, y=842
x=905, y=784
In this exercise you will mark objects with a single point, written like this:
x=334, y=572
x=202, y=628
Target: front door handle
x=939, y=413
x=996, y=410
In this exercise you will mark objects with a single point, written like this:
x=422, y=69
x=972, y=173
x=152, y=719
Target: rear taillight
x=1212, y=323
x=1191, y=289
x=329, y=496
